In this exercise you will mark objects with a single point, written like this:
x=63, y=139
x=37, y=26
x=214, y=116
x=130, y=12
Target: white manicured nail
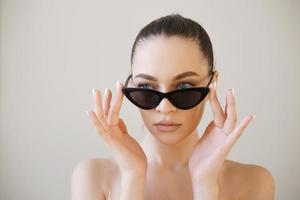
x=118, y=84
x=106, y=92
x=94, y=91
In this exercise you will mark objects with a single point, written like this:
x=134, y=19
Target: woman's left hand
x=219, y=137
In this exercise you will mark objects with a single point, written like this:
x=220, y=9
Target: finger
x=98, y=108
x=98, y=102
x=218, y=113
x=106, y=103
x=230, y=110
x=237, y=132
x=99, y=127
x=113, y=115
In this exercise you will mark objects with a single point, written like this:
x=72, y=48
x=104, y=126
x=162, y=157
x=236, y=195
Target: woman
x=172, y=76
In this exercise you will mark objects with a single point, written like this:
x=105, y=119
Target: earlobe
x=216, y=76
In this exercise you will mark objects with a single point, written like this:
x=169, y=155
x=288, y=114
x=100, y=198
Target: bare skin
x=170, y=165
x=237, y=181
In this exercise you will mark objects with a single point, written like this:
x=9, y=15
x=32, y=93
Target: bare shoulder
x=248, y=181
x=91, y=178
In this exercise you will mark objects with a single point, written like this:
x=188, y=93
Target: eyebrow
x=177, y=77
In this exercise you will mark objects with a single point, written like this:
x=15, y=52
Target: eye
x=143, y=85
x=181, y=85
x=186, y=84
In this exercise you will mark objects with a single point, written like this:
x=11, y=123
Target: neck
x=169, y=156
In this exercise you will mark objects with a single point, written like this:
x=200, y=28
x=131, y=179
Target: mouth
x=167, y=126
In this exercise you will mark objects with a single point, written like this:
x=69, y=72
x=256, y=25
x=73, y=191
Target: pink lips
x=167, y=126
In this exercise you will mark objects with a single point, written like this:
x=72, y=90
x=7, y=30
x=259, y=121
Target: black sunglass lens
x=144, y=99
x=187, y=99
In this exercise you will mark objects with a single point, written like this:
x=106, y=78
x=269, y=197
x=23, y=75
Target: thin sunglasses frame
x=127, y=90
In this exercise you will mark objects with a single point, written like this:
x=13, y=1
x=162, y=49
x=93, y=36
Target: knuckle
x=102, y=118
x=114, y=111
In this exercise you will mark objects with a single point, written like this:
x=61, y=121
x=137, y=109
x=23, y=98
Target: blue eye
x=141, y=85
x=181, y=85
x=186, y=83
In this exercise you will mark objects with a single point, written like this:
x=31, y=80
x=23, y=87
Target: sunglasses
x=184, y=99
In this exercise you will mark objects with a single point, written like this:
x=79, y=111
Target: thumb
x=122, y=126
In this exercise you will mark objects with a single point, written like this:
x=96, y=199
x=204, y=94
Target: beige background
x=54, y=52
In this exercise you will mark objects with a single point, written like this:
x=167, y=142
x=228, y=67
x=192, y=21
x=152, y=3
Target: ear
x=216, y=76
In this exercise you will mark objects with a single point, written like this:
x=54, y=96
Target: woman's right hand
x=125, y=149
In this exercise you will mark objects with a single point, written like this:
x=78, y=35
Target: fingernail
x=87, y=113
x=118, y=84
x=232, y=90
x=253, y=116
x=94, y=91
x=215, y=85
x=106, y=92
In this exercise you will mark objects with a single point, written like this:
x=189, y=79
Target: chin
x=168, y=138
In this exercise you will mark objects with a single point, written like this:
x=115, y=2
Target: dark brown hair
x=177, y=25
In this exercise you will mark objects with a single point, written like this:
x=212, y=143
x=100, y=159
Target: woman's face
x=164, y=58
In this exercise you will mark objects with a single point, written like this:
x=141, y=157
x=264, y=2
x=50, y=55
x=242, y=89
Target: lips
x=167, y=126
x=166, y=123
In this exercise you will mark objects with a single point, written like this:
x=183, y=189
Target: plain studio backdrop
x=54, y=52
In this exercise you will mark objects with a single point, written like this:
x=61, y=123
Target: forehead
x=165, y=57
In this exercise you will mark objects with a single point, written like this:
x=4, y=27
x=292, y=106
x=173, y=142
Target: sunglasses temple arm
x=211, y=78
x=127, y=80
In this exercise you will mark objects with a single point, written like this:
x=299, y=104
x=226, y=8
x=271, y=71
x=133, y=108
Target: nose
x=165, y=106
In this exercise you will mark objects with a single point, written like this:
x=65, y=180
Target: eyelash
x=185, y=82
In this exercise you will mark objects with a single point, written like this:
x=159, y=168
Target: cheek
x=147, y=116
x=191, y=120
